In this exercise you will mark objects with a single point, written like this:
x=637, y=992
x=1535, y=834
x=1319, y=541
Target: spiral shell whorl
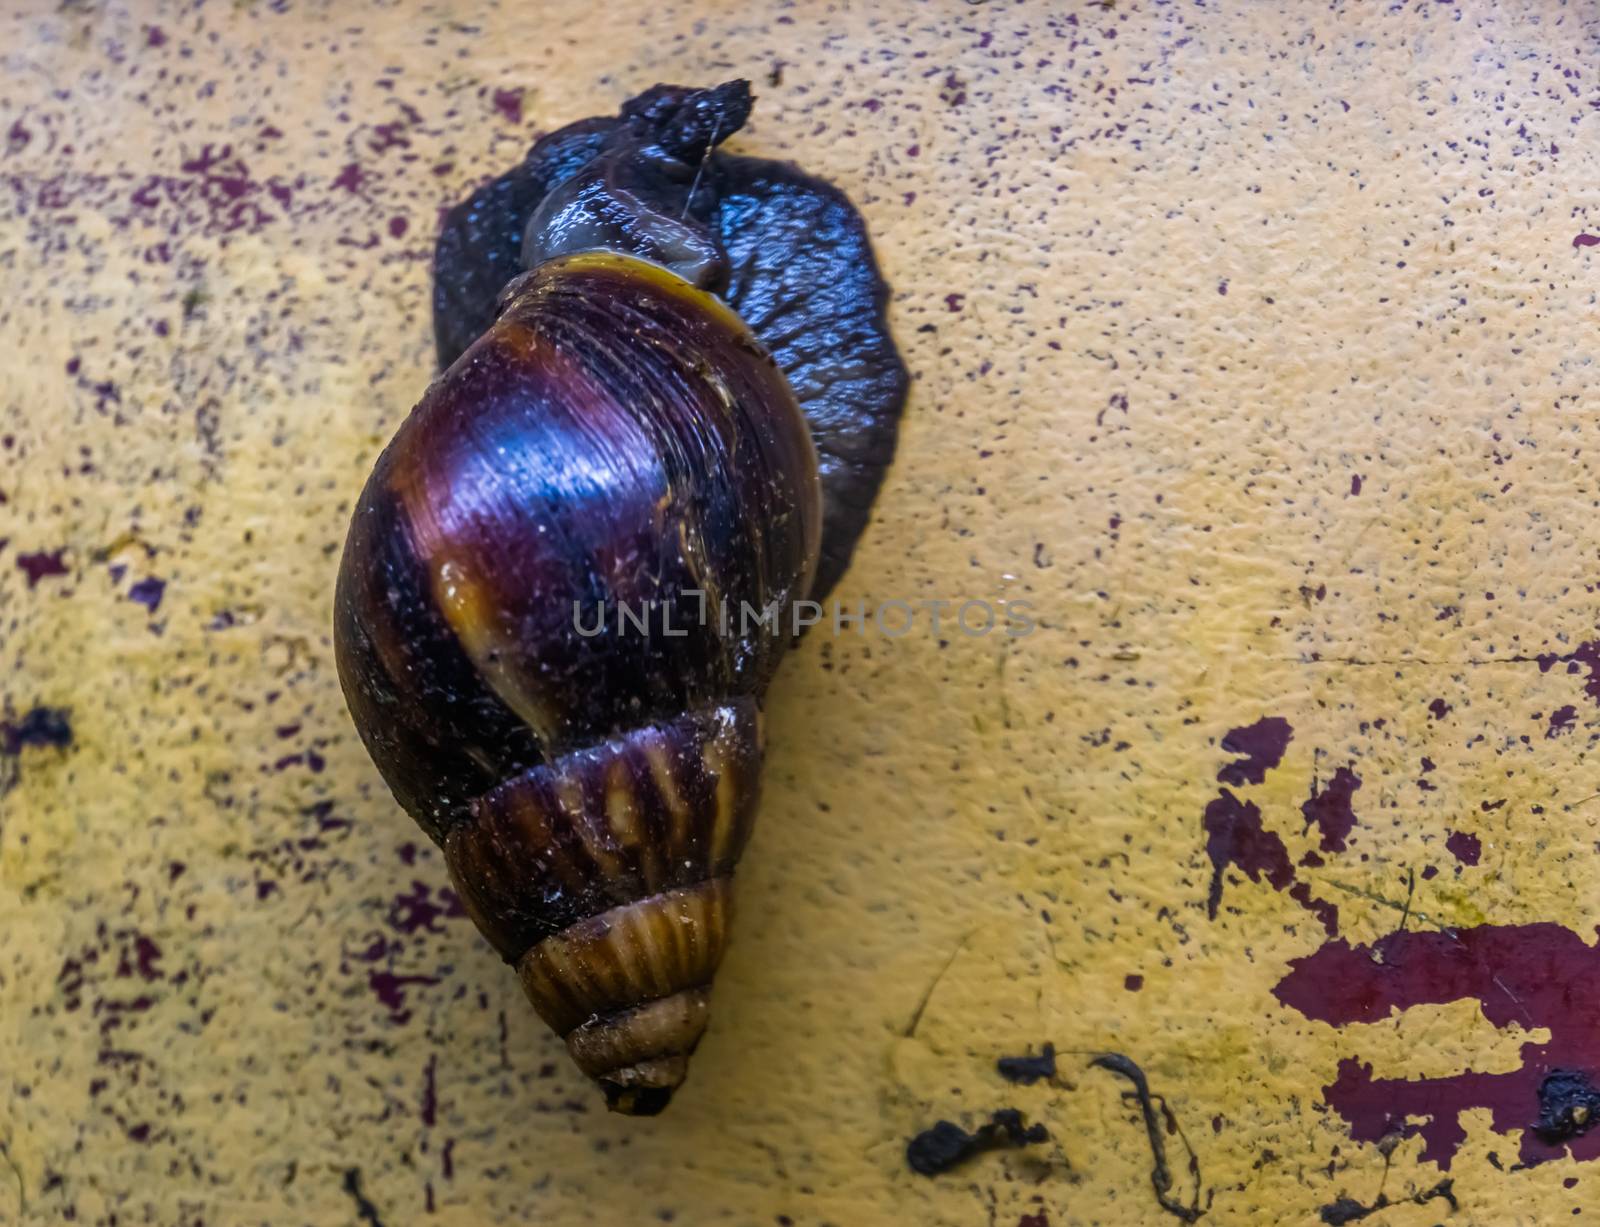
x=651, y=824
x=660, y=808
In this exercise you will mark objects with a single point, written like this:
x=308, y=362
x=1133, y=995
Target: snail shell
x=795, y=255
x=617, y=439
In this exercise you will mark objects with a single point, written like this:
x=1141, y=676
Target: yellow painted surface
x=1171, y=278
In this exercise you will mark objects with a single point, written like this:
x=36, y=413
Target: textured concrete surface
x=1251, y=346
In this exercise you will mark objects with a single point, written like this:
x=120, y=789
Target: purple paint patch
x=1586, y=656
x=42, y=564
x=1235, y=836
x=418, y=911
x=1537, y=976
x=350, y=178
x=145, y=960
x=1562, y=720
x=390, y=989
x=1234, y=832
x=1586, y=240
x=509, y=103
x=1465, y=847
x=1438, y=709
x=1133, y=983
x=1355, y=484
x=148, y=592
x=1331, y=811
x=1262, y=744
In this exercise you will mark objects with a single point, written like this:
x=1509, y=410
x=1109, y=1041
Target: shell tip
x=637, y=1100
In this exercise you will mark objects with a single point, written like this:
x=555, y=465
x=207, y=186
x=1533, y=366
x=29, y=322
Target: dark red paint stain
x=1536, y=976
x=1262, y=745
x=1324, y=911
x=1331, y=811
x=1133, y=983
x=1465, y=847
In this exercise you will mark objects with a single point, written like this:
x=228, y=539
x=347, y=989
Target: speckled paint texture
x=1251, y=345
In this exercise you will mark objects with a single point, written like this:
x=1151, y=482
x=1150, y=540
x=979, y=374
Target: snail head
x=647, y=193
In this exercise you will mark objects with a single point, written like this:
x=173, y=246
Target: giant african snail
x=669, y=386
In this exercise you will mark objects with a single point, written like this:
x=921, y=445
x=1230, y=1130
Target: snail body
x=618, y=440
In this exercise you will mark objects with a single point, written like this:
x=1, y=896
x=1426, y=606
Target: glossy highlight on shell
x=615, y=435
x=786, y=250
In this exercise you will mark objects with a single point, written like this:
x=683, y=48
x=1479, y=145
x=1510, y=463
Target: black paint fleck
x=1569, y=1106
x=365, y=1210
x=1160, y=1173
x=43, y=727
x=947, y=1144
x=1349, y=1210
x=1029, y=1069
